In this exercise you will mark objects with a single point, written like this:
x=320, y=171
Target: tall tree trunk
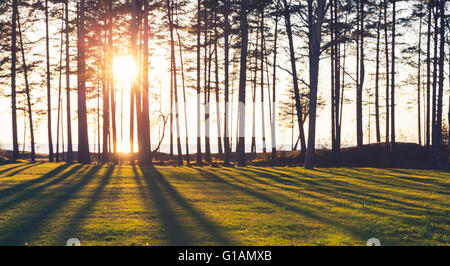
x=68, y=109
x=315, y=39
x=332, y=80
x=106, y=107
x=255, y=72
x=83, y=142
x=242, y=82
x=175, y=86
x=207, y=87
x=386, y=50
x=337, y=86
x=112, y=89
x=437, y=154
x=427, y=118
x=434, y=84
x=199, y=140
x=393, y=144
x=298, y=107
x=335, y=82
x=419, y=73
x=15, y=155
x=226, y=34
x=59, y=115
x=263, y=116
x=360, y=85
x=274, y=82
x=134, y=32
x=216, y=71
x=49, y=106
x=377, y=81
x=146, y=154
x=184, y=101
x=27, y=91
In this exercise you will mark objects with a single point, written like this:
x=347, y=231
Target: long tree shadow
x=403, y=181
x=15, y=166
x=331, y=194
x=162, y=193
x=30, y=193
x=30, y=165
x=303, y=210
x=154, y=197
x=21, y=229
x=428, y=180
x=363, y=196
x=375, y=178
x=20, y=187
x=353, y=191
x=82, y=213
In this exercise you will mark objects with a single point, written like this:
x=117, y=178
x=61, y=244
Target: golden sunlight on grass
x=45, y=204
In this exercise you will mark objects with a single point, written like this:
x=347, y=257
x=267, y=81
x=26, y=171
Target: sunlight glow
x=125, y=69
x=123, y=146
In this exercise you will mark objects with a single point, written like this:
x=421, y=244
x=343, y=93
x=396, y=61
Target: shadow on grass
x=351, y=191
x=387, y=179
x=166, y=199
x=303, y=210
x=18, y=165
x=330, y=190
x=29, y=165
x=32, y=192
x=21, y=229
x=72, y=229
x=20, y=187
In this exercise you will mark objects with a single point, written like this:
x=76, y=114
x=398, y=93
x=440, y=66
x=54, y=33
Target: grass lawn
x=45, y=204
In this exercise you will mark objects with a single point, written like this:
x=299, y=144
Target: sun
x=125, y=69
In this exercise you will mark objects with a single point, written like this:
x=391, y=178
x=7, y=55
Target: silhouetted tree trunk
x=298, y=107
x=68, y=109
x=15, y=155
x=184, y=101
x=226, y=33
x=174, y=73
x=59, y=115
x=134, y=32
x=49, y=106
x=207, y=87
x=199, y=140
x=360, y=85
x=274, y=82
x=377, y=80
x=419, y=73
x=83, y=142
x=335, y=82
x=216, y=72
x=437, y=153
x=314, y=38
x=242, y=82
x=27, y=91
x=146, y=154
x=111, y=83
x=263, y=117
x=338, y=88
x=427, y=118
x=255, y=72
x=386, y=50
x=106, y=94
x=393, y=144
x=434, y=144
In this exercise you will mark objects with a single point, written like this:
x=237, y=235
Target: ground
x=46, y=204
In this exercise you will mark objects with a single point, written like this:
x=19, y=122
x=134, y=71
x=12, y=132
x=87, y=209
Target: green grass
x=45, y=204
